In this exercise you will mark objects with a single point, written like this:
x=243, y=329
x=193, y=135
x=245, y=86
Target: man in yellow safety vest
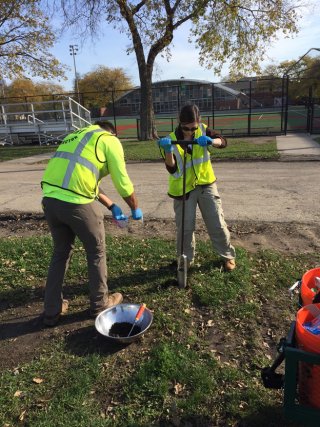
x=70, y=187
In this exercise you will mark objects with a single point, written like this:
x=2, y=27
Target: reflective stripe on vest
x=191, y=163
x=75, y=158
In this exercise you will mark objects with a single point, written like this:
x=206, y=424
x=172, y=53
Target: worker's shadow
x=145, y=277
x=78, y=330
x=87, y=340
x=168, y=272
x=268, y=415
x=25, y=325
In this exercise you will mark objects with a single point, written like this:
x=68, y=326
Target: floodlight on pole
x=73, y=51
x=286, y=72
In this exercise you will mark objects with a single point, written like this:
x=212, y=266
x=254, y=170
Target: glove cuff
x=111, y=206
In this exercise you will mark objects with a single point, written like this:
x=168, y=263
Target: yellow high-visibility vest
x=198, y=166
x=74, y=172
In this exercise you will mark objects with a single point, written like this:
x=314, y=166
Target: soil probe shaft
x=182, y=271
x=138, y=315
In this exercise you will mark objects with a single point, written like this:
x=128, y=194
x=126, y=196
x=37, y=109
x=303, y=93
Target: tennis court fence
x=259, y=106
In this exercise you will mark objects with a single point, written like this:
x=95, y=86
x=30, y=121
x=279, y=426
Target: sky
x=110, y=51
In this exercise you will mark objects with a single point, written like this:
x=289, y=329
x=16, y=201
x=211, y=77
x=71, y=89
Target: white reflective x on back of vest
x=76, y=157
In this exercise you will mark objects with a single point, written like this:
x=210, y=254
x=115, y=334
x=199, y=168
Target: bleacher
x=41, y=123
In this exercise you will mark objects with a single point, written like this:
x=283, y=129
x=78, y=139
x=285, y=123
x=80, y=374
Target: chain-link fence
x=256, y=106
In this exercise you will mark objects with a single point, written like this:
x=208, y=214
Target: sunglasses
x=187, y=129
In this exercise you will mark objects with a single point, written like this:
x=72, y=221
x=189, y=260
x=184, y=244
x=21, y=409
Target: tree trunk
x=147, y=124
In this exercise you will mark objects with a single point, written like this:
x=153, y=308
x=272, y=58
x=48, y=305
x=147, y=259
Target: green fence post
x=286, y=105
x=138, y=128
x=249, y=115
x=212, y=100
x=309, y=112
x=282, y=104
x=114, y=110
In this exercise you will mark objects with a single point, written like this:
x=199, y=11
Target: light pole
x=286, y=73
x=73, y=51
x=286, y=76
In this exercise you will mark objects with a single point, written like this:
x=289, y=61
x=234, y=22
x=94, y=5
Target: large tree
x=304, y=75
x=237, y=31
x=25, y=40
x=103, y=84
x=24, y=88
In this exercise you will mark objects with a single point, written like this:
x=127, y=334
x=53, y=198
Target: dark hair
x=189, y=114
x=106, y=125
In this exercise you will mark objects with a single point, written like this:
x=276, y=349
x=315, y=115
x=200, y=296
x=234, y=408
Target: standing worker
x=201, y=188
x=70, y=187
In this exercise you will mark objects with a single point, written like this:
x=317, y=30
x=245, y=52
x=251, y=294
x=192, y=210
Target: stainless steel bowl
x=123, y=313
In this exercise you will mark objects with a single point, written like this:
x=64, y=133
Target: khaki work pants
x=66, y=221
x=208, y=199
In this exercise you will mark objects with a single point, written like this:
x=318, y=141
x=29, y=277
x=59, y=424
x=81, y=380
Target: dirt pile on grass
x=292, y=238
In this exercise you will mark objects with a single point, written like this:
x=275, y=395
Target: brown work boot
x=229, y=264
x=113, y=299
x=53, y=320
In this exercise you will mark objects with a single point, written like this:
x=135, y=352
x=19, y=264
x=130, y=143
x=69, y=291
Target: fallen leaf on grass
x=22, y=415
x=37, y=380
x=242, y=405
x=178, y=388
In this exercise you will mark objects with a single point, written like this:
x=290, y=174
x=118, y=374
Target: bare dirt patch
x=288, y=237
x=22, y=334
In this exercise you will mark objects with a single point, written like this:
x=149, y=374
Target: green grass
x=238, y=148
x=10, y=153
x=199, y=363
x=244, y=148
x=139, y=151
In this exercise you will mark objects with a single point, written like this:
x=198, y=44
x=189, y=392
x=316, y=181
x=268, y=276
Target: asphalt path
x=256, y=191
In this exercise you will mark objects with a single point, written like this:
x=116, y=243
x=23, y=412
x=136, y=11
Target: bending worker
x=70, y=187
x=201, y=187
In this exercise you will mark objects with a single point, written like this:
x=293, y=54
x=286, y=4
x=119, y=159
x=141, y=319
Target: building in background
x=265, y=91
x=170, y=95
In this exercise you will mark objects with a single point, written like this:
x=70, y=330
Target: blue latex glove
x=136, y=213
x=117, y=213
x=166, y=144
x=204, y=140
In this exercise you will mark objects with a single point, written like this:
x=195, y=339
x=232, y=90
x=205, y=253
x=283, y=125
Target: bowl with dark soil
x=119, y=323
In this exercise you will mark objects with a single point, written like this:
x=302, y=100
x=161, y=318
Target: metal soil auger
x=182, y=271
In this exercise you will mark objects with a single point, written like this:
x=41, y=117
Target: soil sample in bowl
x=122, y=329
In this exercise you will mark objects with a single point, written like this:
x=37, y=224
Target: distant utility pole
x=73, y=51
